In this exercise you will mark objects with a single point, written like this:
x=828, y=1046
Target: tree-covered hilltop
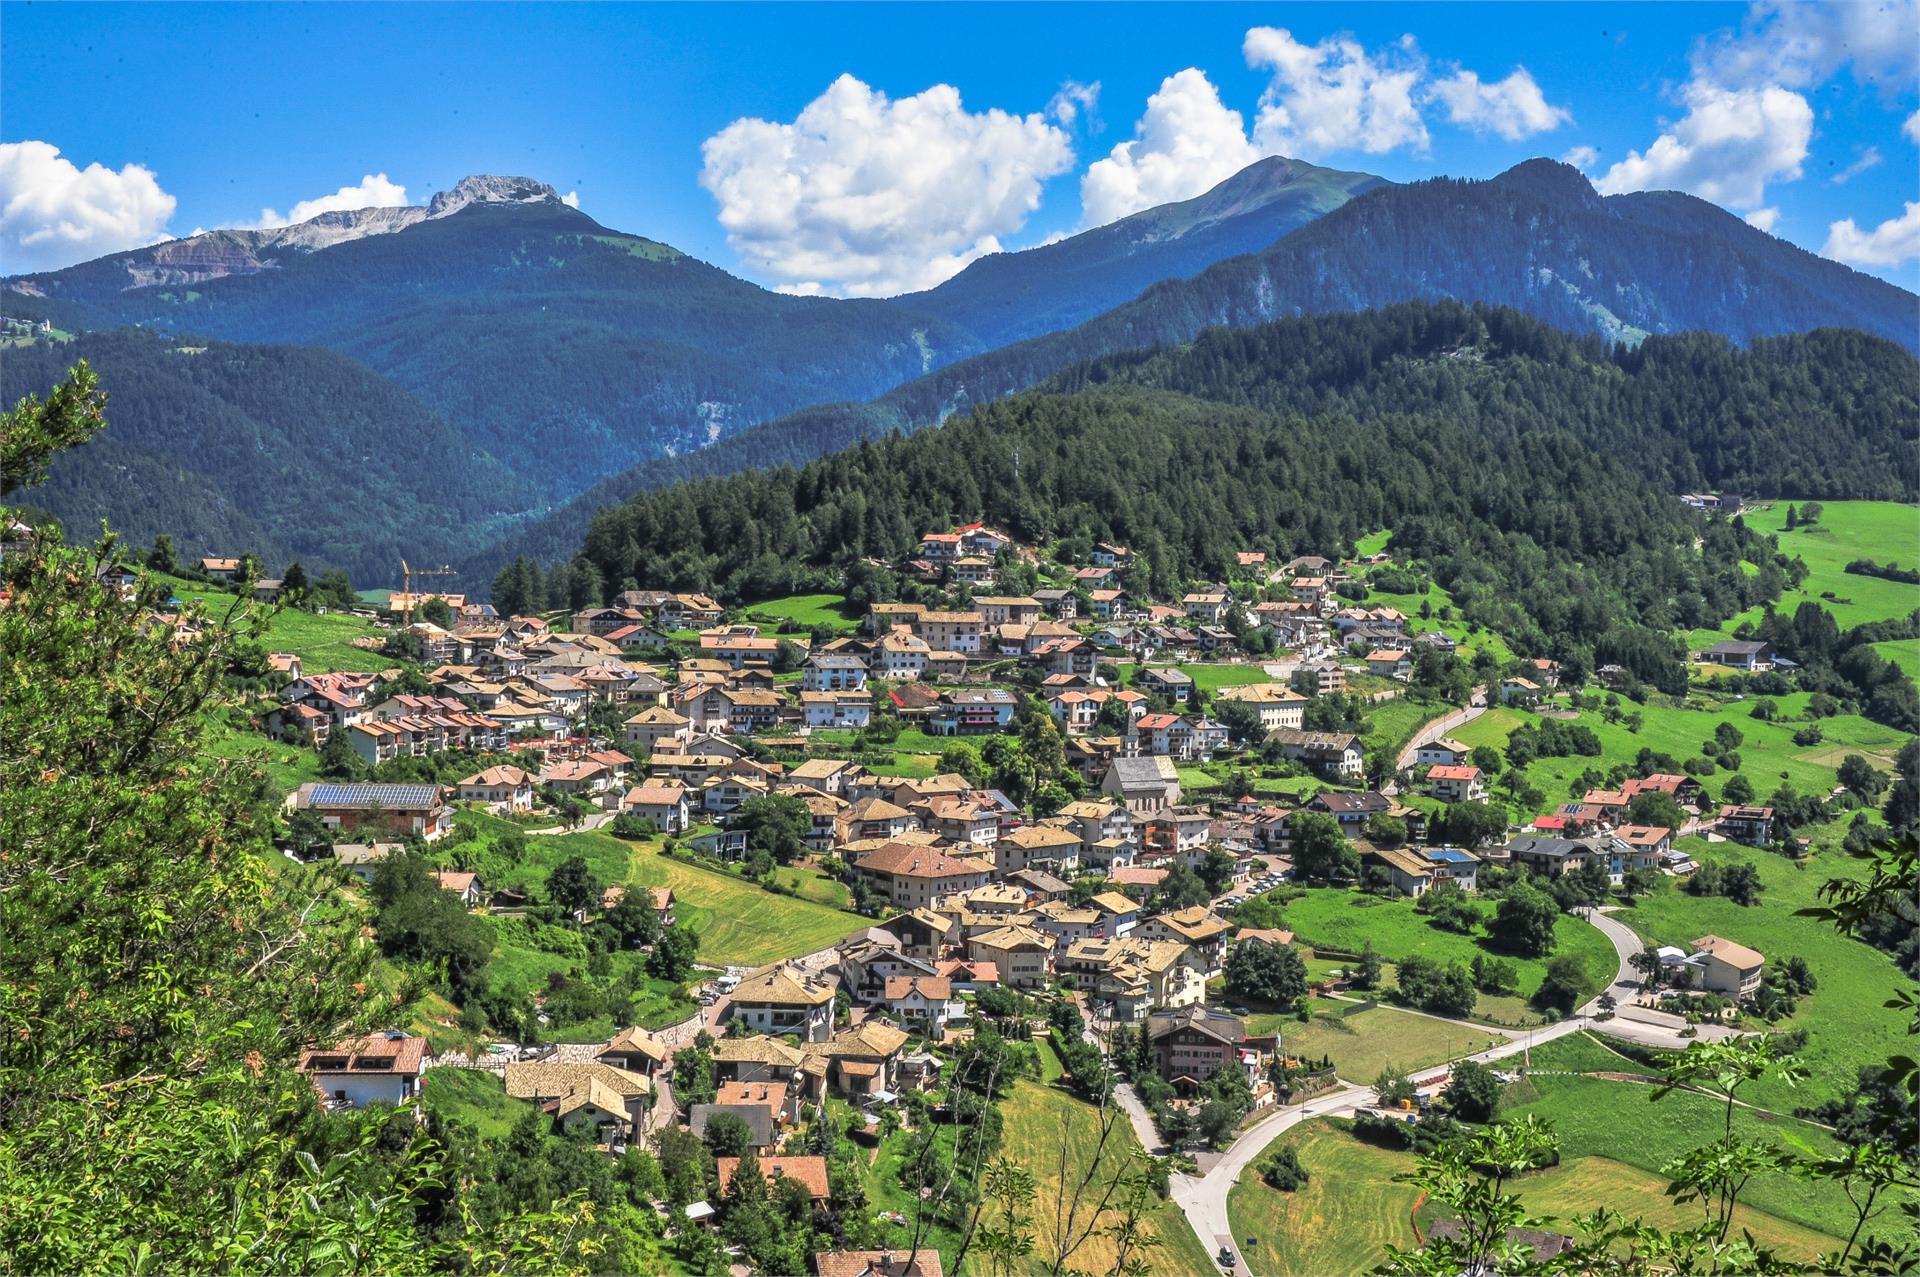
x=287, y=452
x=1535, y=533
x=1831, y=413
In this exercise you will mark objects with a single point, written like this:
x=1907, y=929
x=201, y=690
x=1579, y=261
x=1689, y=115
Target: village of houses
x=977, y=892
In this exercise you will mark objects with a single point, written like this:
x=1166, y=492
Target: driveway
x=1626, y=943
x=594, y=821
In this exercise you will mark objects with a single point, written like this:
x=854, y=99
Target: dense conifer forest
x=1535, y=533
x=1538, y=484
x=282, y=451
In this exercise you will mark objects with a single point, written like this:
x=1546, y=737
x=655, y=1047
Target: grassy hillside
x=1039, y=1120
x=1768, y=754
x=1598, y=1118
x=1887, y=532
x=1337, y=918
x=1847, y=1025
x=799, y=613
x=1363, y=1042
x=1351, y=1209
x=740, y=923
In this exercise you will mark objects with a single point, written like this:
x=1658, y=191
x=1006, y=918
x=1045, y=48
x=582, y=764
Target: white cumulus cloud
x=1335, y=95
x=571, y=199
x=1726, y=148
x=372, y=191
x=1748, y=121
x=1581, y=157
x=1912, y=127
x=1799, y=44
x=1764, y=219
x=1186, y=142
x=865, y=195
x=53, y=214
x=1512, y=108
x=1893, y=242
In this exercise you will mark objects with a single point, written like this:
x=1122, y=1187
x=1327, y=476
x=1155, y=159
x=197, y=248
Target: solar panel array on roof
x=391, y=797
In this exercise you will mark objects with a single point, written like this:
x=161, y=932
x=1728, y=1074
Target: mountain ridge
x=1419, y=251
x=1082, y=275
x=235, y=250
x=572, y=351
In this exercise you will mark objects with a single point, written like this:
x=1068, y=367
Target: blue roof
x=1448, y=855
x=396, y=797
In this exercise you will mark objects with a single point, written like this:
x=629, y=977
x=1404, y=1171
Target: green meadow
x=1343, y=919
x=1847, y=1024
x=1884, y=531
x=1768, y=754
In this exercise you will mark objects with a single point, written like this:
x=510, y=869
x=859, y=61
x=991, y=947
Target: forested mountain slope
x=1009, y=297
x=284, y=451
x=572, y=352
x=1493, y=446
x=568, y=350
x=1689, y=411
x=1537, y=238
x=1830, y=413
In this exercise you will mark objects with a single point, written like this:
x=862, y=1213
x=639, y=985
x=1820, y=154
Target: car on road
x=1226, y=1258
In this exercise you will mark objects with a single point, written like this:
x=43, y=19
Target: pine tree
x=509, y=588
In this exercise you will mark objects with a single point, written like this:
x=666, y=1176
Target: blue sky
x=813, y=147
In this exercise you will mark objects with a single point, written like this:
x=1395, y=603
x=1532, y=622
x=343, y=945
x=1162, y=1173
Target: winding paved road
x=1203, y=1198
x=1436, y=729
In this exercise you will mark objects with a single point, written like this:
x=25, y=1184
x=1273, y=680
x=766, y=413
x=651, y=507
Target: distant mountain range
x=568, y=366
x=1537, y=238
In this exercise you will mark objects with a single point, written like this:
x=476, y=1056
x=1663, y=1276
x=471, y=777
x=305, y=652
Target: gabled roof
x=755, y=1050
x=1013, y=937
x=655, y=794
x=1215, y=1024
x=1196, y=924
x=871, y=1038
x=878, y=809
x=393, y=1053
x=1040, y=879
x=505, y=774
x=1144, y=772
x=1041, y=837
x=1453, y=772
x=902, y=1262
x=551, y=1080
x=637, y=1040
x=369, y=797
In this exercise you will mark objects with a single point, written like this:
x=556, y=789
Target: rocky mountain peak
x=488, y=189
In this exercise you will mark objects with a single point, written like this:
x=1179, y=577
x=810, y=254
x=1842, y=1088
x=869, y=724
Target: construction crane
x=407, y=573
